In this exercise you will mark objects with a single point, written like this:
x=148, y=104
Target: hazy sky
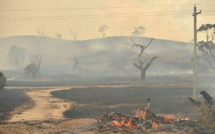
x=163, y=19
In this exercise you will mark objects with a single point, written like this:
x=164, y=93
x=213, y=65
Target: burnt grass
x=164, y=100
x=9, y=100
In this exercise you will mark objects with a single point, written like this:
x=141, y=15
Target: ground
x=74, y=108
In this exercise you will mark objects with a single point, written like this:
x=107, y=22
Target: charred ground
x=93, y=101
x=10, y=99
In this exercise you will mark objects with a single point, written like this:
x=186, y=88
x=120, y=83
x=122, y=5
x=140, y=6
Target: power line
x=206, y=5
x=209, y=10
x=91, y=17
x=208, y=14
x=90, y=8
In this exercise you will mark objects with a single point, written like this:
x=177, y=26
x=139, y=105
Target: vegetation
x=32, y=69
x=74, y=34
x=2, y=80
x=58, y=35
x=206, y=117
x=103, y=29
x=18, y=55
x=207, y=47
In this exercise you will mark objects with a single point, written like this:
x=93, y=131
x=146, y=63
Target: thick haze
x=163, y=19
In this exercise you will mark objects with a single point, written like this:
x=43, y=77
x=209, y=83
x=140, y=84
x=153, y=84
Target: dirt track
x=46, y=107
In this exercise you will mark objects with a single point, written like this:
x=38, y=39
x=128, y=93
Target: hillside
x=110, y=55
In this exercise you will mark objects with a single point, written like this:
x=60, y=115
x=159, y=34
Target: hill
x=102, y=56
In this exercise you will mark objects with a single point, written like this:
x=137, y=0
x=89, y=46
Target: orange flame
x=125, y=121
x=155, y=125
x=141, y=114
x=178, y=119
x=168, y=119
x=115, y=123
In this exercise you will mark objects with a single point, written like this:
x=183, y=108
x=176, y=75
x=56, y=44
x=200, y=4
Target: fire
x=126, y=122
x=143, y=119
x=168, y=119
x=181, y=119
x=116, y=124
x=155, y=125
x=141, y=114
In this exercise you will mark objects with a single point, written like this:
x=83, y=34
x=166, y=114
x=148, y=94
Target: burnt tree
x=32, y=70
x=2, y=80
x=143, y=67
x=74, y=34
x=75, y=61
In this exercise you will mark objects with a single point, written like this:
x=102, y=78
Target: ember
x=143, y=119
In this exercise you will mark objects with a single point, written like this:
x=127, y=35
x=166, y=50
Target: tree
x=2, y=80
x=32, y=69
x=17, y=55
x=102, y=30
x=58, y=35
x=75, y=61
x=74, y=34
x=207, y=47
x=138, y=31
x=141, y=66
x=42, y=34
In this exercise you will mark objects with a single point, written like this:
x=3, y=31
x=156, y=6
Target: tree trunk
x=144, y=68
x=143, y=74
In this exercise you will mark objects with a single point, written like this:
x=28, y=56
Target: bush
x=206, y=117
x=2, y=80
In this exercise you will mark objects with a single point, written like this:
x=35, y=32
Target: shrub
x=206, y=117
x=2, y=80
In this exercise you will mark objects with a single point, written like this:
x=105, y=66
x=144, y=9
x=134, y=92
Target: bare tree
x=32, y=70
x=74, y=34
x=75, y=61
x=208, y=47
x=102, y=30
x=42, y=34
x=142, y=66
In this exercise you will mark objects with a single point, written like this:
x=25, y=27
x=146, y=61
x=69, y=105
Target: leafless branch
x=75, y=61
x=74, y=34
x=42, y=34
x=142, y=47
x=137, y=66
x=150, y=62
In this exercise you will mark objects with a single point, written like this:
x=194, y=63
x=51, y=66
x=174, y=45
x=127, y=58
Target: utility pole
x=194, y=56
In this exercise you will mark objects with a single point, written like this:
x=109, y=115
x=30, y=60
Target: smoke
x=103, y=57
